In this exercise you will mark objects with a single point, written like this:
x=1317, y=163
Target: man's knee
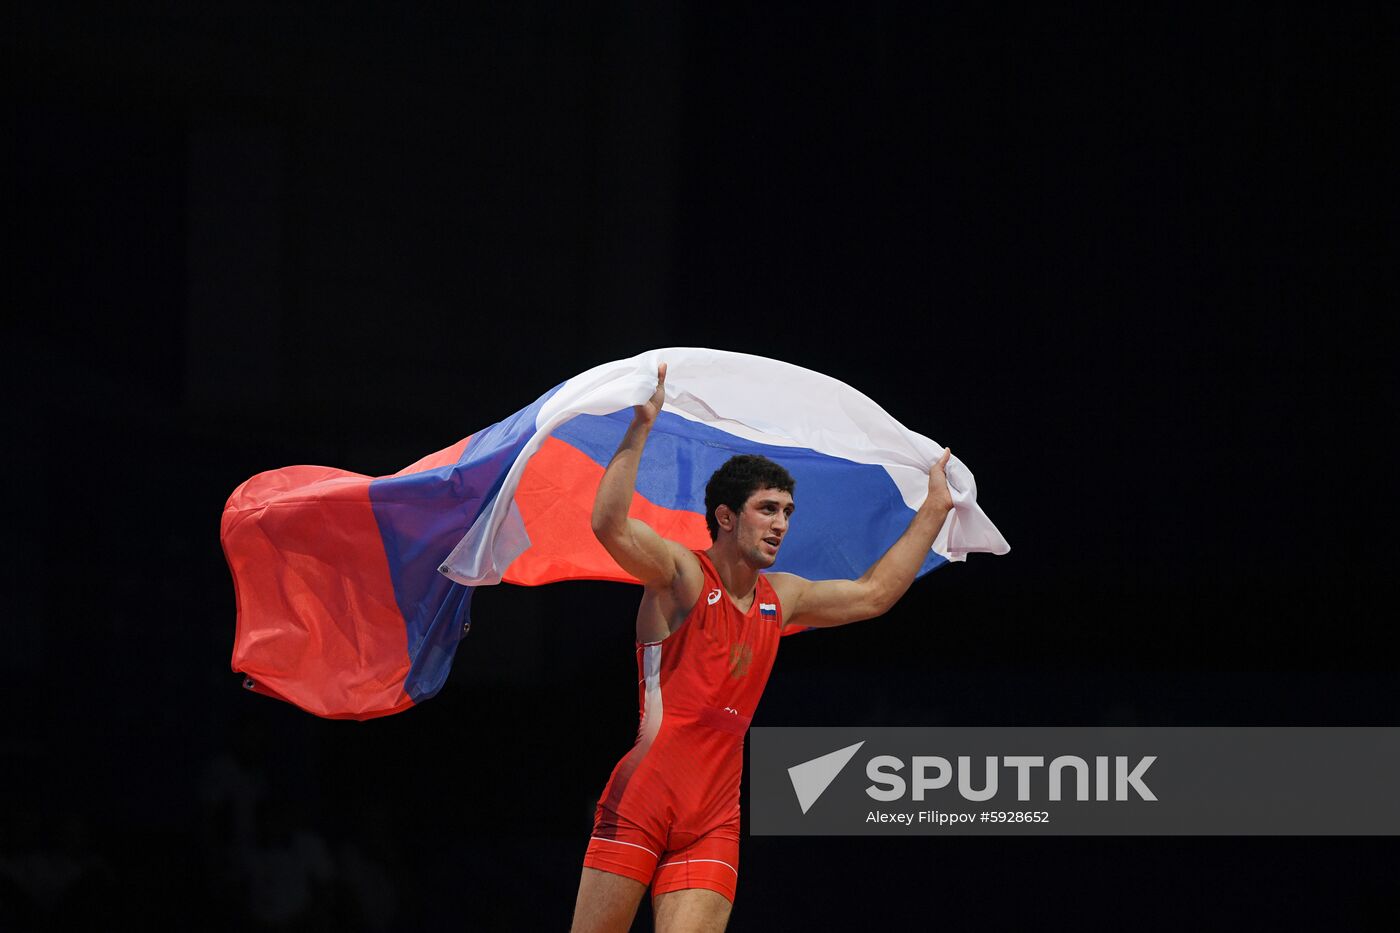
x=691, y=910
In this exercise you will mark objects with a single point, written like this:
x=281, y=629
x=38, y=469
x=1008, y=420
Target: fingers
x=938, y=476
x=938, y=488
x=652, y=407
x=659, y=396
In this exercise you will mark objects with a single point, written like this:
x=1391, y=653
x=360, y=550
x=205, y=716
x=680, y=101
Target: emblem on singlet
x=713, y=597
x=739, y=658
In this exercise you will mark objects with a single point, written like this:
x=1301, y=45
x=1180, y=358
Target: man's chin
x=762, y=559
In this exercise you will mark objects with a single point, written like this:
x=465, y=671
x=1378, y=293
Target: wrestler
x=707, y=635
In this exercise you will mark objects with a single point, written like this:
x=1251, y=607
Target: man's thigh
x=606, y=902
x=693, y=910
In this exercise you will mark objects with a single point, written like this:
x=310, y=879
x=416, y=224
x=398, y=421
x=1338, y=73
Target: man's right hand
x=646, y=412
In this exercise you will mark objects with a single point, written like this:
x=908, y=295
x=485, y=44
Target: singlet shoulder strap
x=710, y=577
x=707, y=566
x=767, y=593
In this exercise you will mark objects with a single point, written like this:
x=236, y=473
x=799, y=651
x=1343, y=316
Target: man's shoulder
x=786, y=585
x=688, y=581
x=687, y=559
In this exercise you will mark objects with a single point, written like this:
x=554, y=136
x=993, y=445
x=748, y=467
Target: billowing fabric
x=353, y=591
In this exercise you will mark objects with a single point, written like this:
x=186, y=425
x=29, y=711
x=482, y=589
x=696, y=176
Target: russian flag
x=353, y=591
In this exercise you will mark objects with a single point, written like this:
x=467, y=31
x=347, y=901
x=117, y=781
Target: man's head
x=728, y=495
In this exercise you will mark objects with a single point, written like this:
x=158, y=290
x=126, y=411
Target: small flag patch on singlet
x=768, y=610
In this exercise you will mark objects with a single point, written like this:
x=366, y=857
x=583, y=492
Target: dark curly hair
x=740, y=477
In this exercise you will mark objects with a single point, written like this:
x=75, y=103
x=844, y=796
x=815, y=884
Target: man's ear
x=724, y=515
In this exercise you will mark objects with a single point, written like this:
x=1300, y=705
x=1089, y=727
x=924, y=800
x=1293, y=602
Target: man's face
x=762, y=525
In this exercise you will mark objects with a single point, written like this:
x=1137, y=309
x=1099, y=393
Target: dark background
x=1130, y=265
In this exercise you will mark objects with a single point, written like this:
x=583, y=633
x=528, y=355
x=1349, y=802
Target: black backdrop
x=1128, y=264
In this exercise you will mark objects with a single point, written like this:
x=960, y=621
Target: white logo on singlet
x=712, y=598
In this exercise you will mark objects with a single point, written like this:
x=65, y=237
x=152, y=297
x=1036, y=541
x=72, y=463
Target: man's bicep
x=824, y=603
x=643, y=553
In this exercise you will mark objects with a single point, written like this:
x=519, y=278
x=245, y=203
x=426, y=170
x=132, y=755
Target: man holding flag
x=707, y=634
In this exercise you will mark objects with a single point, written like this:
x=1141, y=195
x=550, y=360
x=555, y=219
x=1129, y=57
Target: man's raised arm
x=823, y=603
x=637, y=548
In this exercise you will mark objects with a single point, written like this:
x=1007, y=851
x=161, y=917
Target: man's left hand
x=939, y=497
